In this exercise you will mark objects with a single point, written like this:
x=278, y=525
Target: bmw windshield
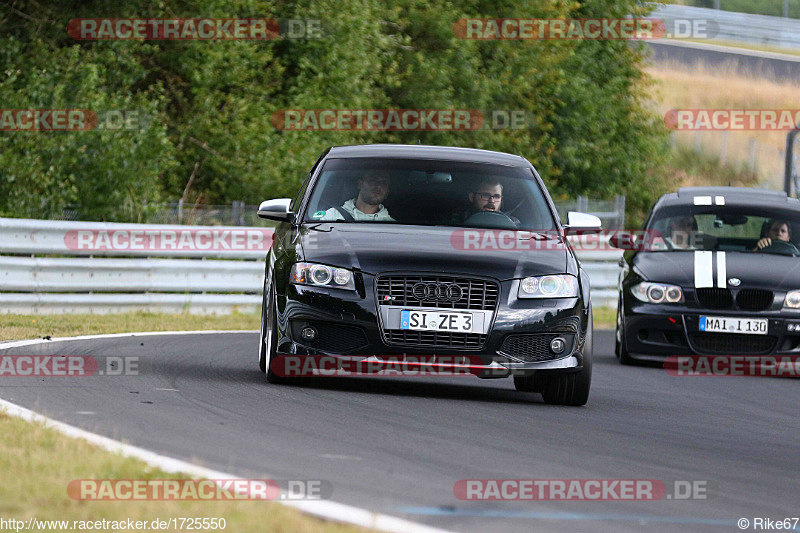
x=740, y=229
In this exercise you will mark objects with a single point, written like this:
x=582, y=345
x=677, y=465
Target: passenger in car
x=682, y=232
x=373, y=189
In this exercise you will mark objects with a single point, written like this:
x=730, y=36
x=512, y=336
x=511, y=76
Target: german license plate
x=727, y=324
x=436, y=321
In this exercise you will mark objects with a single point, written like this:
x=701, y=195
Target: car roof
x=740, y=196
x=416, y=151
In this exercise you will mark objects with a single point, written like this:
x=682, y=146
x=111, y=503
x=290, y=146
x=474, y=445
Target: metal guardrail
x=738, y=27
x=42, y=271
x=214, y=270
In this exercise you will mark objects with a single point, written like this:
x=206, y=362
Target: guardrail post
x=619, y=208
x=788, y=163
x=583, y=204
x=237, y=213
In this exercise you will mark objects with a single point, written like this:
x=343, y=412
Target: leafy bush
x=210, y=140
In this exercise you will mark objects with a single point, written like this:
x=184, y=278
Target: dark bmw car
x=719, y=274
x=392, y=251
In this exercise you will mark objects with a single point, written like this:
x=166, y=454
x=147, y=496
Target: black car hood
x=757, y=270
x=376, y=248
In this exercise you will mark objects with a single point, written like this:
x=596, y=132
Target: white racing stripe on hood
x=703, y=269
x=722, y=271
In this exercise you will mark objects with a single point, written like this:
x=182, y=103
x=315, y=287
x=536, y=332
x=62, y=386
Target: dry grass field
x=679, y=87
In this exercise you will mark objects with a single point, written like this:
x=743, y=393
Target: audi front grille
x=474, y=293
x=439, y=292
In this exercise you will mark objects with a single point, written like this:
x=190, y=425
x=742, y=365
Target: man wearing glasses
x=487, y=196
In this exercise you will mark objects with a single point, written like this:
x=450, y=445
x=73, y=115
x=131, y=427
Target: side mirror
x=277, y=209
x=582, y=222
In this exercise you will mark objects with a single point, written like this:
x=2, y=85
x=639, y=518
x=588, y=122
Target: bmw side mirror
x=277, y=209
x=582, y=222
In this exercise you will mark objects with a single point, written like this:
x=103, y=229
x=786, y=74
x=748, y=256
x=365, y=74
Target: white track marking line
x=325, y=509
x=29, y=342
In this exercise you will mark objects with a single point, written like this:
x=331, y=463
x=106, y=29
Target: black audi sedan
x=394, y=251
x=716, y=272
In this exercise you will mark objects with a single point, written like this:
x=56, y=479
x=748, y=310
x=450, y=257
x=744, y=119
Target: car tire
x=269, y=337
x=262, y=351
x=620, y=350
x=572, y=388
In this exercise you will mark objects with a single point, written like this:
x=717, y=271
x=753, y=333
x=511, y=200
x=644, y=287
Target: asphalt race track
x=772, y=66
x=398, y=445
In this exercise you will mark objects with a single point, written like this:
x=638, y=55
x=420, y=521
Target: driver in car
x=779, y=230
x=373, y=188
x=487, y=196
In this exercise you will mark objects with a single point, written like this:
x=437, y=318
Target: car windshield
x=429, y=193
x=692, y=228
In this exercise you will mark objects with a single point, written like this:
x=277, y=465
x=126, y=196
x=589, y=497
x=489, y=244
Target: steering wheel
x=491, y=219
x=781, y=247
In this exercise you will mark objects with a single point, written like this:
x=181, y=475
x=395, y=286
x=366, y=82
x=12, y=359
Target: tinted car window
x=432, y=192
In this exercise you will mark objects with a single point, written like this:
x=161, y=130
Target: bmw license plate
x=436, y=321
x=727, y=324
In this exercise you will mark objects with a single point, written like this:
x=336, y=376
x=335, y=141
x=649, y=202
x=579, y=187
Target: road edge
x=324, y=509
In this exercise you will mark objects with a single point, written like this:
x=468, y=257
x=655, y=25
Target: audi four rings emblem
x=437, y=291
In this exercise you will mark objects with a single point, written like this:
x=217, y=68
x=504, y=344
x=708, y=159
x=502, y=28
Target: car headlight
x=792, y=300
x=657, y=293
x=322, y=276
x=554, y=286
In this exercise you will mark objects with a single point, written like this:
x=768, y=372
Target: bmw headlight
x=792, y=300
x=322, y=276
x=657, y=293
x=554, y=286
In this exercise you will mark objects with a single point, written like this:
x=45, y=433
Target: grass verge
x=604, y=317
x=18, y=327
x=38, y=463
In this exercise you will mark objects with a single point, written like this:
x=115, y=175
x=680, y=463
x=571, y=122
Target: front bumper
x=353, y=327
x=655, y=332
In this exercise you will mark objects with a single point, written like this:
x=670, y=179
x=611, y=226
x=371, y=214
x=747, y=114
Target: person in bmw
x=413, y=284
x=681, y=232
x=373, y=188
x=736, y=291
x=779, y=230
